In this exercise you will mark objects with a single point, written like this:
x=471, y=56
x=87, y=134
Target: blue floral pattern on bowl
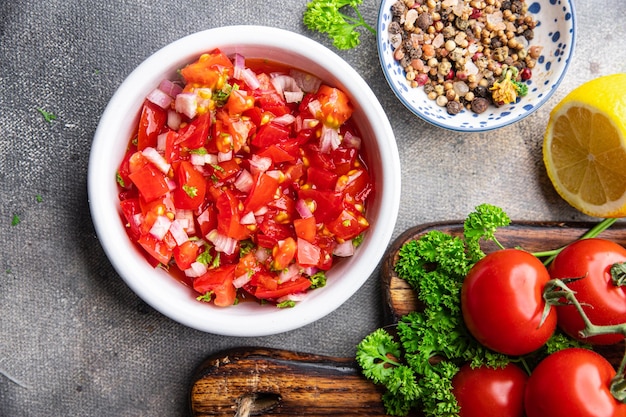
x=555, y=32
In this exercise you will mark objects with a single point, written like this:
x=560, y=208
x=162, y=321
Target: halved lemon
x=584, y=148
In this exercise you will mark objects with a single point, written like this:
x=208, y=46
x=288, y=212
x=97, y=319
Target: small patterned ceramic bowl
x=554, y=32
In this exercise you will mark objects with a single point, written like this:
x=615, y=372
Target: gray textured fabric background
x=74, y=340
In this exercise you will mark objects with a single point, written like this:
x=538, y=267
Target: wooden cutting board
x=266, y=382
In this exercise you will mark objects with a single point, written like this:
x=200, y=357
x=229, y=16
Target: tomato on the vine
x=502, y=302
x=485, y=391
x=572, y=382
x=603, y=302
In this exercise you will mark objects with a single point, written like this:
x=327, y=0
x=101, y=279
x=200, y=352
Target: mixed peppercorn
x=465, y=53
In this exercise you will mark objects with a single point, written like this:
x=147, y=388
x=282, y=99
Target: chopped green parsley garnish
x=191, y=191
x=16, y=220
x=48, y=117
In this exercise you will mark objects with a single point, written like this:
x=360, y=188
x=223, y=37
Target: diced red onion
x=289, y=274
x=303, y=209
x=160, y=227
x=260, y=164
x=249, y=77
x=315, y=107
x=262, y=254
x=170, y=88
x=239, y=282
x=284, y=84
x=161, y=141
x=239, y=64
x=344, y=249
x=173, y=120
x=197, y=269
x=276, y=174
x=285, y=119
x=185, y=217
x=168, y=202
x=298, y=296
x=187, y=104
x=294, y=96
x=222, y=243
x=261, y=211
x=329, y=140
x=351, y=141
x=160, y=98
x=138, y=219
x=248, y=219
x=178, y=232
x=307, y=82
x=310, y=270
x=197, y=159
x=171, y=184
x=157, y=159
x=244, y=181
x=224, y=156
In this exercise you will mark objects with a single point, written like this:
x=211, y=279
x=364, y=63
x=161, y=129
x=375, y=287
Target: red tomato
x=229, y=217
x=335, y=106
x=502, y=302
x=150, y=182
x=349, y=224
x=283, y=253
x=271, y=134
x=305, y=228
x=219, y=281
x=189, y=194
x=152, y=120
x=195, y=134
x=209, y=70
x=603, y=301
x=186, y=254
x=295, y=286
x=485, y=391
x=263, y=191
x=239, y=101
x=572, y=382
x=158, y=249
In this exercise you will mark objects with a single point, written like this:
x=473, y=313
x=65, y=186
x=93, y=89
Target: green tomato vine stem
x=593, y=232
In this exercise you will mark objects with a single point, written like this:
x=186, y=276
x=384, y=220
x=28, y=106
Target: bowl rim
x=386, y=4
x=123, y=255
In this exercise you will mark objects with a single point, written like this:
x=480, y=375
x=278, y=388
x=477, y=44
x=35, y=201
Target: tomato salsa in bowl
x=258, y=181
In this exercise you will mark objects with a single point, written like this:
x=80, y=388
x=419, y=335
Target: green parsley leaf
x=48, y=117
x=39, y=198
x=190, y=190
x=120, y=180
x=205, y=297
x=286, y=304
x=318, y=280
x=326, y=16
x=16, y=220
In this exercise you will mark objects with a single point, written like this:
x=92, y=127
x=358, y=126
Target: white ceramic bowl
x=165, y=293
x=555, y=32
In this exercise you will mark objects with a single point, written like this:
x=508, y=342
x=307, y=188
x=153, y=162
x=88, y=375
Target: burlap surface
x=74, y=340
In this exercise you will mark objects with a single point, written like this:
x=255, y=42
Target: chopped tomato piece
x=263, y=191
x=355, y=185
x=229, y=217
x=298, y=285
x=210, y=70
x=283, y=253
x=321, y=178
x=219, y=281
x=158, y=249
x=239, y=101
x=152, y=120
x=150, y=182
x=194, y=135
x=328, y=204
x=335, y=106
x=305, y=228
x=191, y=187
x=270, y=134
x=186, y=254
x=349, y=224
